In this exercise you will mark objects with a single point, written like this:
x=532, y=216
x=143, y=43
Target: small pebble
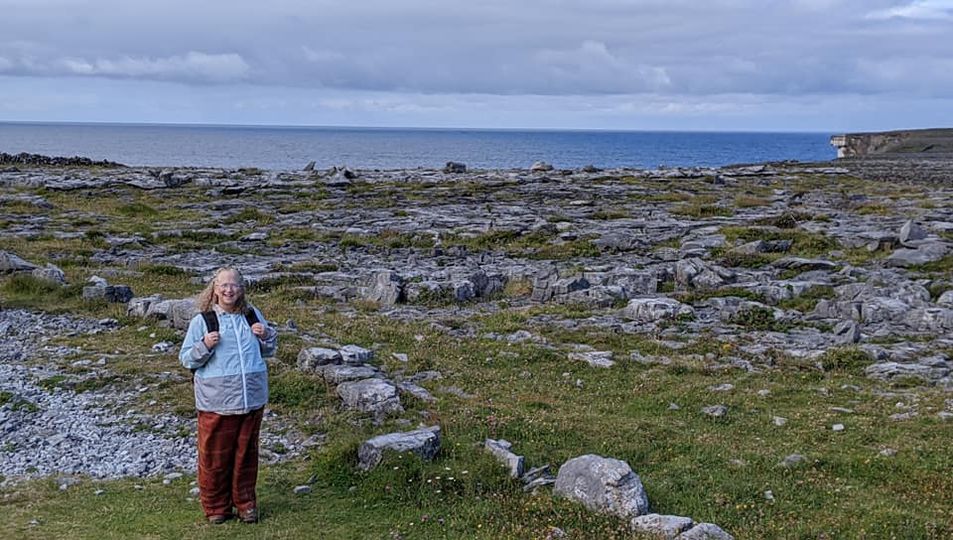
x=838, y=427
x=302, y=490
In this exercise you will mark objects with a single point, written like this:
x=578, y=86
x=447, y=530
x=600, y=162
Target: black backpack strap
x=211, y=321
x=211, y=325
x=251, y=316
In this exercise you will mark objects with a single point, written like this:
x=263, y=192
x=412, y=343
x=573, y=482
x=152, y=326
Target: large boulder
x=424, y=442
x=375, y=396
x=603, y=485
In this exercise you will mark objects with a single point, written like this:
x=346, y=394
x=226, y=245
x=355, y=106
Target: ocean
x=288, y=148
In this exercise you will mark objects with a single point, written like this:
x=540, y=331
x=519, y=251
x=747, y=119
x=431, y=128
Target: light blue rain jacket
x=232, y=378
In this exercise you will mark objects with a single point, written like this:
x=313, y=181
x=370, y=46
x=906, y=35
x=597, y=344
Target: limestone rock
x=355, y=355
x=705, y=531
x=374, y=396
x=603, y=485
x=923, y=254
x=424, y=442
x=386, y=288
x=11, y=263
x=661, y=525
x=541, y=166
x=337, y=373
x=501, y=451
x=912, y=231
x=50, y=273
x=601, y=359
x=311, y=358
x=116, y=294
x=453, y=167
x=655, y=309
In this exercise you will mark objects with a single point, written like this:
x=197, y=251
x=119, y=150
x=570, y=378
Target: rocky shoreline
x=826, y=266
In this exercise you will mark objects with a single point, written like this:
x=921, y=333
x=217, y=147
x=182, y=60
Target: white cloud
x=191, y=66
x=919, y=9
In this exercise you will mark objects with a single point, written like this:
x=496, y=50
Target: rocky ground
x=831, y=267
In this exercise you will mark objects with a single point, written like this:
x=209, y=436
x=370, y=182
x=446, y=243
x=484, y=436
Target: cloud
x=190, y=66
x=941, y=10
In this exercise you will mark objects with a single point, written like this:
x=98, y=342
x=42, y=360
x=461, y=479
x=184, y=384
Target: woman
x=224, y=347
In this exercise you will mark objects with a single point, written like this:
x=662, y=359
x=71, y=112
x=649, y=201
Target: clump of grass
x=163, y=270
x=758, y=318
x=250, y=214
x=844, y=360
x=808, y=299
x=701, y=295
x=703, y=210
x=873, y=209
x=518, y=288
x=137, y=209
x=786, y=220
x=291, y=389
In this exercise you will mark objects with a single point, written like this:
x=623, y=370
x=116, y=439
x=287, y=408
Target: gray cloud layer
x=496, y=47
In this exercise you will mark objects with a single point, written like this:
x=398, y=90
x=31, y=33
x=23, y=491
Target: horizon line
x=400, y=128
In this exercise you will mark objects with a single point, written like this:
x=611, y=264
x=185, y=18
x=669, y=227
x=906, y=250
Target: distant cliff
x=916, y=141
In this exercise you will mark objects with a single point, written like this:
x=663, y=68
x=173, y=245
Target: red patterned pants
x=228, y=461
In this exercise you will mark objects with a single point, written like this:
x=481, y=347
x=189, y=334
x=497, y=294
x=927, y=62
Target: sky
x=725, y=65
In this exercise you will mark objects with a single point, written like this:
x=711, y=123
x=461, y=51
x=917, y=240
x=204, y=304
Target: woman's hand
x=210, y=340
x=258, y=329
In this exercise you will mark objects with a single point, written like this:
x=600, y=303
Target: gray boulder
x=655, y=309
x=500, y=449
x=337, y=373
x=50, y=273
x=660, y=525
x=541, y=166
x=139, y=307
x=453, y=167
x=603, y=485
x=313, y=357
x=375, y=396
x=911, y=231
x=847, y=333
x=116, y=294
x=178, y=312
x=355, y=355
x=424, y=442
x=923, y=254
x=386, y=288
x=601, y=359
x=705, y=531
x=11, y=263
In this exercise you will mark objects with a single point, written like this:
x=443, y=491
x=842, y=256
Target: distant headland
x=923, y=142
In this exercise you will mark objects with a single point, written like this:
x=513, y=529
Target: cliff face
x=934, y=142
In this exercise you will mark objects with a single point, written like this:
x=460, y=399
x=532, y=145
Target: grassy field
x=552, y=409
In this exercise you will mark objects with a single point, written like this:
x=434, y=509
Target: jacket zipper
x=241, y=361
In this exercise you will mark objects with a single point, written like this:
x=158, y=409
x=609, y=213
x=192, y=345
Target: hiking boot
x=249, y=516
x=219, y=519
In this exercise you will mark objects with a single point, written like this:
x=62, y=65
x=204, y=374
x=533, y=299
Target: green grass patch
x=845, y=360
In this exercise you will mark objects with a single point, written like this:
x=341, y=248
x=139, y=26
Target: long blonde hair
x=208, y=297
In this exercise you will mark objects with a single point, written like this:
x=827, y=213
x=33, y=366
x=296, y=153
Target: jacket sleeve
x=269, y=343
x=194, y=354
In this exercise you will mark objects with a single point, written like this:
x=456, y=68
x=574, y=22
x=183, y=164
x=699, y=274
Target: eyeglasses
x=229, y=286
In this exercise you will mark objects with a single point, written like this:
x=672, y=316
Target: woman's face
x=228, y=288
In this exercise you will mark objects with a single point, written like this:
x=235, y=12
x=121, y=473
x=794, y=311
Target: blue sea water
x=392, y=148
